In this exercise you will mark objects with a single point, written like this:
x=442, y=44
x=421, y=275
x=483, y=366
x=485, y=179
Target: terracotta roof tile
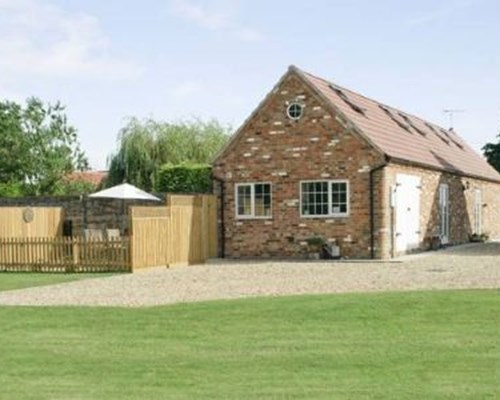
x=404, y=136
x=93, y=177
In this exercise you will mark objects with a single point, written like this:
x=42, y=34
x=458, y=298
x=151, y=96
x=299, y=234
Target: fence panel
x=64, y=254
x=30, y=222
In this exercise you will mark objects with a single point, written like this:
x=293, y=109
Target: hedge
x=185, y=178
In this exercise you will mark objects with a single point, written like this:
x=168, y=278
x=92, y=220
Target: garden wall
x=82, y=212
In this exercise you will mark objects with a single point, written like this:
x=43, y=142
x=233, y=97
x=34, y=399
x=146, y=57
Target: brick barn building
x=315, y=159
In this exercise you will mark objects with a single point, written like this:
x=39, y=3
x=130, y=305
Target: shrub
x=11, y=189
x=185, y=178
x=315, y=242
x=475, y=237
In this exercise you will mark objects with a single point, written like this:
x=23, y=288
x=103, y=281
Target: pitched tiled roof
x=93, y=177
x=403, y=136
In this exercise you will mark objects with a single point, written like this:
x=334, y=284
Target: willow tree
x=145, y=145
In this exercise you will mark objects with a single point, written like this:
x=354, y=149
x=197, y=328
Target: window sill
x=253, y=218
x=331, y=216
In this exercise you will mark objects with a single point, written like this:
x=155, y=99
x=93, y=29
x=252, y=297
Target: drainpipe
x=222, y=224
x=372, y=206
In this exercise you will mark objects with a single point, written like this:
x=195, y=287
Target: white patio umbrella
x=124, y=191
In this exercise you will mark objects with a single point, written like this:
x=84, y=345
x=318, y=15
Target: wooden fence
x=64, y=254
x=25, y=222
x=183, y=232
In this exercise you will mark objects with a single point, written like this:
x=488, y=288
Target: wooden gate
x=181, y=233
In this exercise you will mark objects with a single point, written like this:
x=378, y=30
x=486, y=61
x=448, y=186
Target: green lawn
x=20, y=280
x=426, y=345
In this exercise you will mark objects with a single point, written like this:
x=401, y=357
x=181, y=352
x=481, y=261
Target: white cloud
x=41, y=40
x=218, y=17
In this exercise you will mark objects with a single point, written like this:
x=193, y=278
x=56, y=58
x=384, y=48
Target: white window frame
x=288, y=108
x=252, y=200
x=330, y=214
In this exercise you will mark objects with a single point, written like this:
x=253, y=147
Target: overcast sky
x=171, y=60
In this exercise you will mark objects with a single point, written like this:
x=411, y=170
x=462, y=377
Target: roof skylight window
x=346, y=100
x=443, y=139
x=410, y=122
x=393, y=117
x=449, y=136
x=430, y=127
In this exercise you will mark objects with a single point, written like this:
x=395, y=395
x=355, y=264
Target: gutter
x=372, y=205
x=459, y=173
x=222, y=224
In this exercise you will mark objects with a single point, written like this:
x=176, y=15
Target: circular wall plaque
x=28, y=215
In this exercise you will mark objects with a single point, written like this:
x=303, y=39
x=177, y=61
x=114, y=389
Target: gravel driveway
x=462, y=267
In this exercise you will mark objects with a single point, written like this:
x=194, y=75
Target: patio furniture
x=93, y=234
x=113, y=233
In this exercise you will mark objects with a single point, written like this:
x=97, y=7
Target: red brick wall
x=273, y=148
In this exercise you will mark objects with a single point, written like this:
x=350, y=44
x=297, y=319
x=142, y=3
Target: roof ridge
x=378, y=102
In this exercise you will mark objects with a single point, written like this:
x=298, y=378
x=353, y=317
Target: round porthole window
x=295, y=110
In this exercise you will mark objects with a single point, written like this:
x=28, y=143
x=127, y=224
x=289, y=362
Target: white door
x=407, y=199
x=444, y=213
x=478, y=210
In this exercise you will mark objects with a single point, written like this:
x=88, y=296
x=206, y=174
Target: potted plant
x=315, y=245
x=475, y=238
x=479, y=237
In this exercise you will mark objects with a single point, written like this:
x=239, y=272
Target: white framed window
x=294, y=111
x=253, y=200
x=326, y=198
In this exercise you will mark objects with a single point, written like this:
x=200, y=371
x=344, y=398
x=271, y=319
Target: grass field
x=21, y=280
x=420, y=345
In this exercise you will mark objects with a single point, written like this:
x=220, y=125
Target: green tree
x=145, y=145
x=12, y=145
x=76, y=187
x=37, y=147
x=492, y=153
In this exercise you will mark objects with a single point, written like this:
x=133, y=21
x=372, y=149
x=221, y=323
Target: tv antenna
x=451, y=112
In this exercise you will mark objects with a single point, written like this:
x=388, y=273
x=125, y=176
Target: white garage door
x=407, y=206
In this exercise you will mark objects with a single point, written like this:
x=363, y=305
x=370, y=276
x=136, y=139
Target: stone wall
x=274, y=149
x=461, y=203
x=83, y=212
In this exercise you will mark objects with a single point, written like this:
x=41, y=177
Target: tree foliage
x=37, y=148
x=76, y=187
x=146, y=145
x=185, y=178
x=10, y=189
x=492, y=153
